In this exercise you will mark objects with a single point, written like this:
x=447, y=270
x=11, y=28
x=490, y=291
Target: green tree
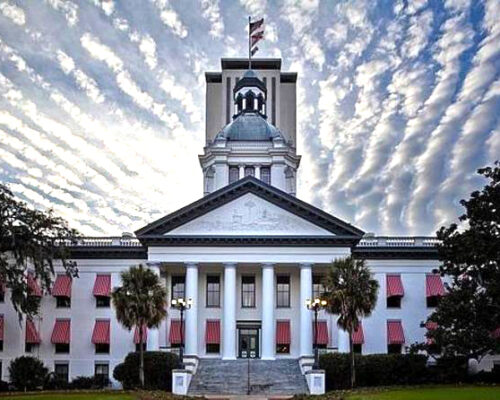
x=470, y=254
x=27, y=373
x=351, y=292
x=31, y=239
x=141, y=301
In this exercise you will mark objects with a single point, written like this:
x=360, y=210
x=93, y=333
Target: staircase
x=254, y=377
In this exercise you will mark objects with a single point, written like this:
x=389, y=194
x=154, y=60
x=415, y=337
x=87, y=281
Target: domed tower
x=248, y=144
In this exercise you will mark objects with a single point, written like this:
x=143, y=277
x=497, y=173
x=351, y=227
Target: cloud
x=13, y=12
x=170, y=18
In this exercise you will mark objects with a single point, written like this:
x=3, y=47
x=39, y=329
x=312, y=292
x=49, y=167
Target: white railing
x=401, y=241
x=96, y=241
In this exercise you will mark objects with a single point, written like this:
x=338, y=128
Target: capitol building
x=249, y=253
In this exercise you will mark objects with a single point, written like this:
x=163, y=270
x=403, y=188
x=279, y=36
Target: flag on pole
x=256, y=33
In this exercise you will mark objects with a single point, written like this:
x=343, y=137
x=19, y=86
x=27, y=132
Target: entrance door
x=248, y=343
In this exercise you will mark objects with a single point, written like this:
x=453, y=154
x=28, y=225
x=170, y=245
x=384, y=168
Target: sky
x=102, y=104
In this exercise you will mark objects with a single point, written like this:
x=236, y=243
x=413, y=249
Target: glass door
x=248, y=343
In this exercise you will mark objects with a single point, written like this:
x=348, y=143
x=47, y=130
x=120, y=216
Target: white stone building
x=249, y=253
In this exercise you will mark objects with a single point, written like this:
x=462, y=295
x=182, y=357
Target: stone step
x=248, y=377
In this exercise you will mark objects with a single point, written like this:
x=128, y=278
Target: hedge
x=158, y=368
x=374, y=370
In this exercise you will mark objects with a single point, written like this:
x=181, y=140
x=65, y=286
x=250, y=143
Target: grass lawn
x=72, y=396
x=436, y=393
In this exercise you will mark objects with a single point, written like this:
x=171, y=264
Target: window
x=282, y=349
x=234, y=174
x=178, y=284
x=61, y=370
x=30, y=347
x=213, y=291
x=249, y=171
x=357, y=348
x=394, y=302
x=213, y=348
x=62, y=348
x=433, y=301
x=318, y=287
x=102, y=301
x=63, y=302
x=102, y=374
x=394, y=348
x=2, y=294
x=138, y=347
x=283, y=291
x=265, y=175
x=1, y=345
x=248, y=291
x=102, y=348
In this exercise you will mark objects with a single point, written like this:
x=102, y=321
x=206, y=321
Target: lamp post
x=182, y=305
x=315, y=306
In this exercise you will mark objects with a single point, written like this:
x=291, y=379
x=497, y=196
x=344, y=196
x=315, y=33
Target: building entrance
x=248, y=343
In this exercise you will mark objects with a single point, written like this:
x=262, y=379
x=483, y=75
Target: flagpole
x=249, y=44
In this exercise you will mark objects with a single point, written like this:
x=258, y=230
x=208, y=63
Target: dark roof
x=395, y=253
x=249, y=79
x=213, y=77
x=153, y=233
x=257, y=63
x=249, y=126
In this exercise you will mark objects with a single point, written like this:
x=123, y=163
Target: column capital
x=191, y=264
x=306, y=265
x=268, y=265
x=229, y=265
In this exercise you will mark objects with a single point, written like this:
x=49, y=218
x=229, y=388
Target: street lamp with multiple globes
x=315, y=306
x=182, y=305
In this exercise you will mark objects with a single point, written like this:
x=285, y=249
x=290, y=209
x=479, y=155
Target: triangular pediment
x=249, y=208
x=250, y=215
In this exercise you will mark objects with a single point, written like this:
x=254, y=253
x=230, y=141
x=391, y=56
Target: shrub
x=27, y=373
x=4, y=386
x=83, y=382
x=449, y=370
x=158, y=368
x=374, y=370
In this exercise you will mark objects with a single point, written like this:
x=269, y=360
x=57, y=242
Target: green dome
x=249, y=126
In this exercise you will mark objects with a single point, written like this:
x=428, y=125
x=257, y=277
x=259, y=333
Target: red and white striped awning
x=394, y=286
x=430, y=325
x=137, y=338
x=434, y=286
x=1, y=327
x=174, y=336
x=358, y=336
x=283, y=332
x=62, y=332
x=101, y=334
x=33, y=287
x=322, y=332
x=32, y=335
x=395, y=334
x=62, y=286
x=212, y=333
x=102, y=286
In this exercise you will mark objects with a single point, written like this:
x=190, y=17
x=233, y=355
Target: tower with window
x=244, y=110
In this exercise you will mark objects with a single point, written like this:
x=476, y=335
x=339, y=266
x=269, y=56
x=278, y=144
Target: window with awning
x=174, y=336
x=1, y=332
x=322, y=329
x=137, y=338
x=395, y=291
x=61, y=335
x=358, y=339
x=283, y=337
x=32, y=338
x=101, y=336
x=434, y=289
x=33, y=286
x=102, y=290
x=62, y=291
x=395, y=336
x=212, y=336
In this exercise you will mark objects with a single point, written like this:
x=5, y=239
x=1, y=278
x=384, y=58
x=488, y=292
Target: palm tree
x=140, y=302
x=351, y=292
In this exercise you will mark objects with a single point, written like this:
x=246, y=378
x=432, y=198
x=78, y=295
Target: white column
x=229, y=317
x=191, y=332
x=153, y=339
x=305, y=314
x=268, y=323
x=257, y=171
x=343, y=341
x=242, y=171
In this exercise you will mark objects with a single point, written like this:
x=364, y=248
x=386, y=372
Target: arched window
x=234, y=174
x=249, y=171
x=265, y=175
